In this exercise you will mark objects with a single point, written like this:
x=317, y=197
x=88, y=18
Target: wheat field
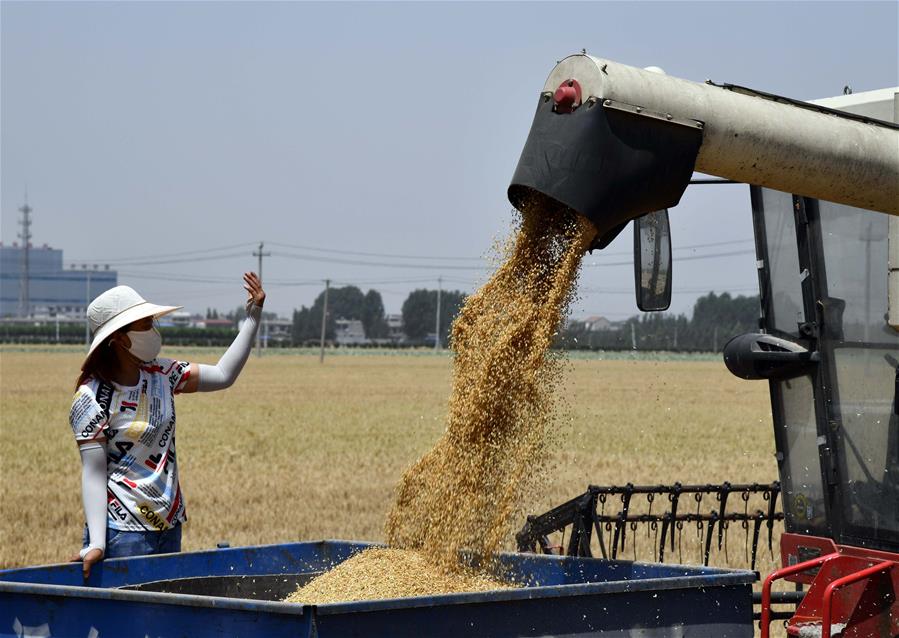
x=297, y=450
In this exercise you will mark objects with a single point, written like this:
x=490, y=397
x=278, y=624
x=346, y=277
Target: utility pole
x=87, y=301
x=633, y=337
x=437, y=329
x=715, y=340
x=25, y=236
x=321, y=354
x=259, y=253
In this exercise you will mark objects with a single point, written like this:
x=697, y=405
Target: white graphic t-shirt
x=142, y=490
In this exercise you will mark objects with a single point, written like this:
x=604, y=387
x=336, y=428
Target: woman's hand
x=255, y=293
x=90, y=559
x=205, y=378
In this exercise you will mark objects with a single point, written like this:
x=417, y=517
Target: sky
x=365, y=143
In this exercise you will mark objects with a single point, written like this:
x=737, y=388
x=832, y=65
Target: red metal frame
x=782, y=573
x=848, y=584
x=864, y=574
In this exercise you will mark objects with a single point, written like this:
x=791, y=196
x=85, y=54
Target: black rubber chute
x=608, y=165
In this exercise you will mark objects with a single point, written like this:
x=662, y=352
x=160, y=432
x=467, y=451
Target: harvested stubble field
x=297, y=450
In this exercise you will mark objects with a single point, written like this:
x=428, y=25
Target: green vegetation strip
x=587, y=355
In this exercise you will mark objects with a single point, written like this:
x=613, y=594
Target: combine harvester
x=616, y=144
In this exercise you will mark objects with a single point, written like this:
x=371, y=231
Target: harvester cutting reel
x=592, y=512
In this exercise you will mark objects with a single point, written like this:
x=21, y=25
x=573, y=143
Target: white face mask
x=145, y=344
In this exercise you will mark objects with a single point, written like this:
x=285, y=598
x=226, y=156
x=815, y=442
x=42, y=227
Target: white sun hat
x=116, y=308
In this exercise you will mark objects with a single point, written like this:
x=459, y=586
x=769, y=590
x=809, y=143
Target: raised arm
x=207, y=378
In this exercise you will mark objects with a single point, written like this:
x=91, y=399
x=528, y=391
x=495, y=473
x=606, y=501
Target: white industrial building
x=51, y=289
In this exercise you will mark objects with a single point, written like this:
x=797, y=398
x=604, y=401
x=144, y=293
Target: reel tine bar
x=586, y=514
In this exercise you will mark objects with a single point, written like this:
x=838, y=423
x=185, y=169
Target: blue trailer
x=237, y=592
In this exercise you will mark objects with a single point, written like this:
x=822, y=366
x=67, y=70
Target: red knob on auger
x=567, y=97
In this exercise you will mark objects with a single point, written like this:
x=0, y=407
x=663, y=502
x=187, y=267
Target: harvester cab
x=619, y=144
x=830, y=355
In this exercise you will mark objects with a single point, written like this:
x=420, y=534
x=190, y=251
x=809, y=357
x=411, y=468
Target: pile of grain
x=467, y=492
x=388, y=573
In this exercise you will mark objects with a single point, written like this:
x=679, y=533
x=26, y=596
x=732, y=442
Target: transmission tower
x=25, y=236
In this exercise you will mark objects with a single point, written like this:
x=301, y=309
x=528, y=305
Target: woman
x=123, y=418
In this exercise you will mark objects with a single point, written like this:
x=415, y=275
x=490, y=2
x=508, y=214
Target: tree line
x=419, y=314
x=715, y=319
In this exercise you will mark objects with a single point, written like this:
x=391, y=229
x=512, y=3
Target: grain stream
x=465, y=493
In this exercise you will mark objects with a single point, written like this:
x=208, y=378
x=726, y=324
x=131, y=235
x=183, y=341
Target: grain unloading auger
x=614, y=142
x=618, y=144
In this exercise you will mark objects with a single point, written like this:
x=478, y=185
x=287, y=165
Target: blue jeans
x=120, y=544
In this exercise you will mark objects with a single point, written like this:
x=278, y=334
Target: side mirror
x=762, y=356
x=652, y=261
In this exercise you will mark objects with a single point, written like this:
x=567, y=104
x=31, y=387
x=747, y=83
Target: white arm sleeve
x=224, y=373
x=93, y=494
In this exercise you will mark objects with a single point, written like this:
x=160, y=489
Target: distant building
x=349, y=332
x=178, y=319
x=214, y=323
x=52, y=290
x=272, y=332
x=600, y=324
x=395, y=332
x=277, y=331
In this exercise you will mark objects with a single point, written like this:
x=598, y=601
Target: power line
x=713, y=244
x=699, y=289
x=355, y=262
x=370, y=282
x=274, y=283
x=191, y=294
x=182, y=260
x=734, y=253
x=392, y=292
x=410, y=266
x=453, y=258
x=428, y=266
x=161, y=276
x=191, y=255
x=369, y=254
x=203, y=255
x=180, y=277
x=155, y=258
